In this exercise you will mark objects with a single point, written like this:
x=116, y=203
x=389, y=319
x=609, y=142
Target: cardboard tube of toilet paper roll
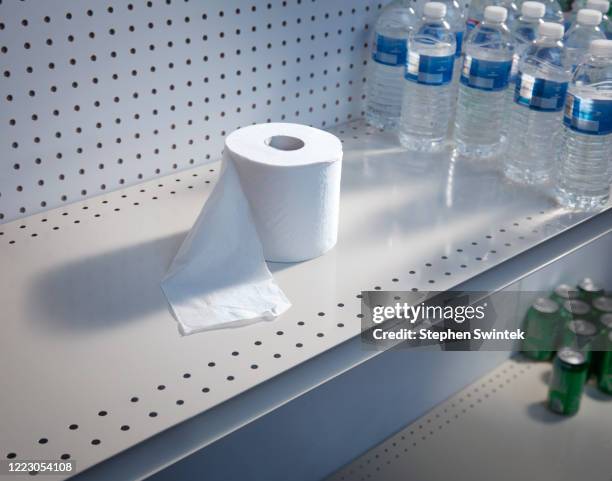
x=277, y=199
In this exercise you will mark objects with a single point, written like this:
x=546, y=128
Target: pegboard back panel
x=101, y=94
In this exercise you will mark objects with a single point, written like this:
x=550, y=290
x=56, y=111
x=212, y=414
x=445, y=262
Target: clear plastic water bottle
x=586, y=142
x=602, y=6
x=514, y=11
x=554, y=12
x=427, y=103
x=535, y=118
x=481, y=106
x=386, y=70
x=455, y=17
x=475, y=13
x=581, y=34
x=524, y=31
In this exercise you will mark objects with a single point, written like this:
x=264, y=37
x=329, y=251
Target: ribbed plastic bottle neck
x=546, y=41
x=492, y=24
x=528, y=19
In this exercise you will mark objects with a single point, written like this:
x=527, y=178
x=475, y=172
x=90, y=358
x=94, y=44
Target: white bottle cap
x=600, y=5
x=496, y=14
x=589, y=17
x=601, y=48
x=551, y=30
x=535, y=9
x=434, y=10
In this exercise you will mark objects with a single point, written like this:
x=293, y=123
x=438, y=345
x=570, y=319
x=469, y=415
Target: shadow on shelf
x=81, y=297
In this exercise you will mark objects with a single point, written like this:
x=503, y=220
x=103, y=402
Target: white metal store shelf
x=88, y=340
x=498, y=428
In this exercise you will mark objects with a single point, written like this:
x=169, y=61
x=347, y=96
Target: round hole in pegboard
x=11, y=455
x=186, y=375
x=277, y=356
x=65, y=456
x=134, y=399
x=95, y=442
x=180, y=402
x=230, y=378
x=153, y=414
x=43, y=441
x=73, y=427
x=125, y=427
x=102, y=413
x=211, y=364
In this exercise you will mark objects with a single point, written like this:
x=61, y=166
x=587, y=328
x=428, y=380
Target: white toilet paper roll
x=277, y=199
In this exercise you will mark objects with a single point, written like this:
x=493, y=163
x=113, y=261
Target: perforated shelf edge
x=89, y=330
x=497, y=428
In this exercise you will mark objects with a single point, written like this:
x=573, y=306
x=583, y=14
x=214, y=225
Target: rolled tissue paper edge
x=269, y=203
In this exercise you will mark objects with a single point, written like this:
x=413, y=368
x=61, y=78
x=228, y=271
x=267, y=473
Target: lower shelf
x=497, y=428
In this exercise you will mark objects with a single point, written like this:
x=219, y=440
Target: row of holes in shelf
x=399, y=444
x=45, y=219
x=179, y=402
x=22, y=209
x=229, y=378
x=204, y=16
x=139, y=176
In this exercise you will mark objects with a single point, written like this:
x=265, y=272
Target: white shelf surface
x=497, y=428
x=86, y=328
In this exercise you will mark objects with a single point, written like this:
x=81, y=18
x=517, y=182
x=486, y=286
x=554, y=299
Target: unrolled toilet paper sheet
x=277, y=199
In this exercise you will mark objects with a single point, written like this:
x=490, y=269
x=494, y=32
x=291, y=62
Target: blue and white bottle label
x=471, y=24
x=389, y=51
x=588, y=116
x=485, y=74
x=459, y=41
x=539, y=94
x=428, y=70
x=514, y=68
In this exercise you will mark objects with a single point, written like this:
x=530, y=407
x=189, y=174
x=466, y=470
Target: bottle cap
x=551, y=30
x=535, y=9
x=601, y=48
x=434, y=10
x=496, y=14
x=589, y=17
x=600, y=5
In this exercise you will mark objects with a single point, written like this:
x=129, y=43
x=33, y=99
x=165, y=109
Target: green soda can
x=604, y=369
x=575, y=309
x=602, y=305
x=588, y=290
x=564, y=292
x=605, y=322
x=568, y=378
x=602, y=344
x=581, y=336
x=541, y=329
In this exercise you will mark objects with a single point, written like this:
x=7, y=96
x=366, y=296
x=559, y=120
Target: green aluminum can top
x=565, y=291
x=582, y=328
x=571, y=356
x=545, y=305
x=606, y=321
x=580, y=308
x=589, y=285
x=603, y=304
